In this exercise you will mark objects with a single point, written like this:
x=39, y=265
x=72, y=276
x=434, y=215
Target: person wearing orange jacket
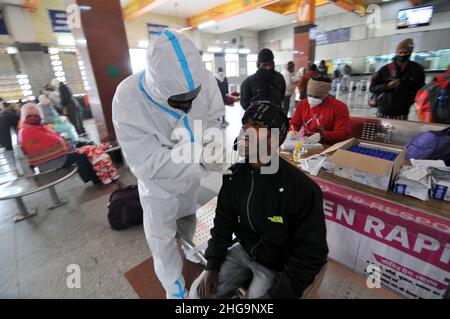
x=320, y=118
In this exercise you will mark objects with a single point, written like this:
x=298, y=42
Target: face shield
x=184, y=101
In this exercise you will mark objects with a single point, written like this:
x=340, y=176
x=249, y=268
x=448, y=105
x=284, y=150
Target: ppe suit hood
x=174, y=66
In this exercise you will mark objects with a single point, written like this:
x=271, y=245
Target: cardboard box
x=413, y=181
x=441, y=183
x=441, y=190
x=364, y=169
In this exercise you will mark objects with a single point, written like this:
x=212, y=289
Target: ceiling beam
x=356, y=6
x=136, y=8
x=227, y=10
x=286, y=7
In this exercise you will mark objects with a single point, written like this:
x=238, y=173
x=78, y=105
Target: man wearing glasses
x=320, y=118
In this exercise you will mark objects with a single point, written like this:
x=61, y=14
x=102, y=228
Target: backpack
x=124, y=208
x=432, y=103
x=433, y=145
x=374, y=98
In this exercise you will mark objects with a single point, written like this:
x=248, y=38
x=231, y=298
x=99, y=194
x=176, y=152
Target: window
x=251, y=63
x=232, y=65
x=208, y=61
x=138, y=59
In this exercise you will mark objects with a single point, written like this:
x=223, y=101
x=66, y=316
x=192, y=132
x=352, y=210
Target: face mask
x=402, y=58
x=220, y=74
x=241, y=147
x=313, y=102
x=33, y=120
x=265, y=73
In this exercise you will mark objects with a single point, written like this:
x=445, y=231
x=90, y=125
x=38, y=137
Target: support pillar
x=304, y=45
x=102, y=43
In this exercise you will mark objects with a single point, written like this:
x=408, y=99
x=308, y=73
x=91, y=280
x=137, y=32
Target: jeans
x=237, y=271
x=286, y=104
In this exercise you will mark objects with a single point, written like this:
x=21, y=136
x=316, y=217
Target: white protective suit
x=144, y=122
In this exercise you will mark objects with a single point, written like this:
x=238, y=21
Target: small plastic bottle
x=297, y=154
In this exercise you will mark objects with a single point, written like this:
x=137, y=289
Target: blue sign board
x=335, y=36
x=3, y=29
x=58, y=19
x=155, y=28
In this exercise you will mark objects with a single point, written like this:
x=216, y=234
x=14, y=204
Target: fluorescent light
x=184, y=29
x=244, y=51
x=143, y=44
x=11, y=50
x=59, y=74
x=81, y=41
x=206, y=24
x=231, y=50
x=66, y=41
x=214, y=49
x=85, y=8
x=268, y=4
x=53, y=51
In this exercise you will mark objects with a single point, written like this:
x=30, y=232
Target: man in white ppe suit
x=172, y=92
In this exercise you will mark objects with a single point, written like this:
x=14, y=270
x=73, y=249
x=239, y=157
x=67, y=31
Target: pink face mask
x=33, y=120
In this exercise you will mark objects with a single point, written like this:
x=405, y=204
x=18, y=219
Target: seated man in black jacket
x=278, y=221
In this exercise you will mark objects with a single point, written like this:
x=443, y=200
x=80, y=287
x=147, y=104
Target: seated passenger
x=277, y=219
x=8, y=120
x=46, y=149
x=320, y=117
x=48, y=110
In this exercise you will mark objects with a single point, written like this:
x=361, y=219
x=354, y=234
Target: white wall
x=363, y=40
x=379, y=41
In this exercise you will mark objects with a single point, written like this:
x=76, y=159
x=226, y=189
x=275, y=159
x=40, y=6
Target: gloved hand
x=313, y=139
x=214, y=157
x=293, y=135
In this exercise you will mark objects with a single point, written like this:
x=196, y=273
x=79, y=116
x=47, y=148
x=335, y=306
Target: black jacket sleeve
x=309, y=251
x=225, y=223
x=377, y=85
x=245, y=94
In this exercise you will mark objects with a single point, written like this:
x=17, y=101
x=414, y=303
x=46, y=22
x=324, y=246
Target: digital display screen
x=414, y=17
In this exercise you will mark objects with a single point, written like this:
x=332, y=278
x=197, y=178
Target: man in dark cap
x=396, y=84
x=277, y=219
x=266, y=84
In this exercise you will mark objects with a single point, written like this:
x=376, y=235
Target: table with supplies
x=376, y=232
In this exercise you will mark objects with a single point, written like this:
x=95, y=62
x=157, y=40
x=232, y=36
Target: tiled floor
x=35, y=253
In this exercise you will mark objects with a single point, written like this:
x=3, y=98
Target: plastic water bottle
x=442, y=107
x=297, y=154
